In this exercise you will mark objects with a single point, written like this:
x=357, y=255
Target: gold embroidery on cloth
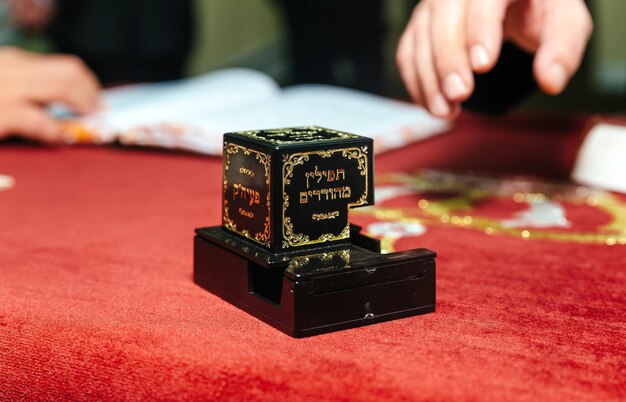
x=448, y=199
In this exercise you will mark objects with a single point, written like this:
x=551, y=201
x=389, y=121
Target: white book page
x=136, y=107
x=193, y=114
x=391, y=123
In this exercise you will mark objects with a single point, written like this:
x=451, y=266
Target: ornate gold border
x=254, y=134
x=290, y=238
x=232, y=149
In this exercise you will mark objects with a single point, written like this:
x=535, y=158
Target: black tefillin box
x=286, y=251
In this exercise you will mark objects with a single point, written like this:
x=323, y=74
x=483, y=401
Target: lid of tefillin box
x=290, y=190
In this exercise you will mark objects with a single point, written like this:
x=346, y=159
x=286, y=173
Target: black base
x=322, y=291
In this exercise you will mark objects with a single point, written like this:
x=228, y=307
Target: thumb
x=566, y=29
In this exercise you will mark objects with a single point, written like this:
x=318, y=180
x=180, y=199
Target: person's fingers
x=29, y=121
x=405, y=61
x=524, y=23
x=428, y=82
x=484, y=20
x=16, y=58
x=455, y=111
x=65, y=79
x=447, y=33
x=566, y=30
x=48, y=79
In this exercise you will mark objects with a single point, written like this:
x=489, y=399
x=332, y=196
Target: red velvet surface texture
x=97, y=299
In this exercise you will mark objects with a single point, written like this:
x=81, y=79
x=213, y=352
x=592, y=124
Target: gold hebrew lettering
x=347, y=192
x=325, y=215
x=342, y=173
x=318, y=174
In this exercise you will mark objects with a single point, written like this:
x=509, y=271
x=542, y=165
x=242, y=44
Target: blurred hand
x=31, y=15
x=446, y=40
x=29, y=82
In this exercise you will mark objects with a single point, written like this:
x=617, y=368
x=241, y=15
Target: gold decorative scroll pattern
x=231, y=149
x=301, y=261
x=290, y=238
x=295, y=135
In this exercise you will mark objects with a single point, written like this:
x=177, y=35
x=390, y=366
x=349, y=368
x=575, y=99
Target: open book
x=192, y=114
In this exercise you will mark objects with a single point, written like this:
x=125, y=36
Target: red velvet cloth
x=97, y=299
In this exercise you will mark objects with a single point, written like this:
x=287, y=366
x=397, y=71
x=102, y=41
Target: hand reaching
x=29, y=82
x=447, y=40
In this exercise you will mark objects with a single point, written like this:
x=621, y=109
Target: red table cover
x=97, y=299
